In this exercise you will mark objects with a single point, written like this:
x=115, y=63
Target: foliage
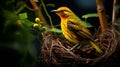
x=117, y=21
x=16, y=37
x=90, y=15
x=23, y=16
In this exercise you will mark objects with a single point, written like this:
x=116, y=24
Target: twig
x=34, y=4
x=114, y=12
x=24, y=5
x=21, y=8
x=102, y=16
x=47, y=13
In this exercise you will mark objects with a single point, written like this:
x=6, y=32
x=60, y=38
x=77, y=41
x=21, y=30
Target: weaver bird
x=73, y=28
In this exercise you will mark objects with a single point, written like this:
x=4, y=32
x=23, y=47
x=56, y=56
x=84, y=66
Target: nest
x=55, y=50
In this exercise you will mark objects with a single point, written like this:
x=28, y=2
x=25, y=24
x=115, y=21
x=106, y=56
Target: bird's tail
x=96, y=47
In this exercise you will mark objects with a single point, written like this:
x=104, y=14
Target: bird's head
x=63, y=12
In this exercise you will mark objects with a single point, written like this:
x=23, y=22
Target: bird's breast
x=67, y=33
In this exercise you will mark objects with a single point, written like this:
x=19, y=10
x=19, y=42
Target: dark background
x=80, y=8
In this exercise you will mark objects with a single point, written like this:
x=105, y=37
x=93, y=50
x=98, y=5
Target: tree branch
x=102, y=16
x=114, y=12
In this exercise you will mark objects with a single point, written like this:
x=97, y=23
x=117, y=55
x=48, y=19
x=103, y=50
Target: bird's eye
x=62, y=10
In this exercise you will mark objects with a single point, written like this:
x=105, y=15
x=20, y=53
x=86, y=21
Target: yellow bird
x=73, y=28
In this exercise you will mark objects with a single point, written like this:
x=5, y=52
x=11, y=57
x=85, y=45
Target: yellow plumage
x=73, y=29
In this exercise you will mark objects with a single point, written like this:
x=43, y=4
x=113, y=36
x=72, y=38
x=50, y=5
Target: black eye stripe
x=62, y=11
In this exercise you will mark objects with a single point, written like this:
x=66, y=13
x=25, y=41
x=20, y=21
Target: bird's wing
x=79, y=30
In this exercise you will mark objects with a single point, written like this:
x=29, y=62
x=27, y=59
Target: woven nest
x=55, y=51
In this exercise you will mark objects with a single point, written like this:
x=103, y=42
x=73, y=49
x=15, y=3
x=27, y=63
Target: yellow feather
x=73, y=28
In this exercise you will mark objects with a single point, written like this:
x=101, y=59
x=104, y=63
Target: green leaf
x=117, y=7
x=10, y=18
x=43, y=28
x=9, y=15
x=23, y=15
x=90, y=15
x=36, y=0
x=51, y=5
x=87, y=24
x=27, y=22
x=55, y=30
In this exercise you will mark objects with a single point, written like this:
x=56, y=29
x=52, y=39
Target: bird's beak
x=54, y=11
